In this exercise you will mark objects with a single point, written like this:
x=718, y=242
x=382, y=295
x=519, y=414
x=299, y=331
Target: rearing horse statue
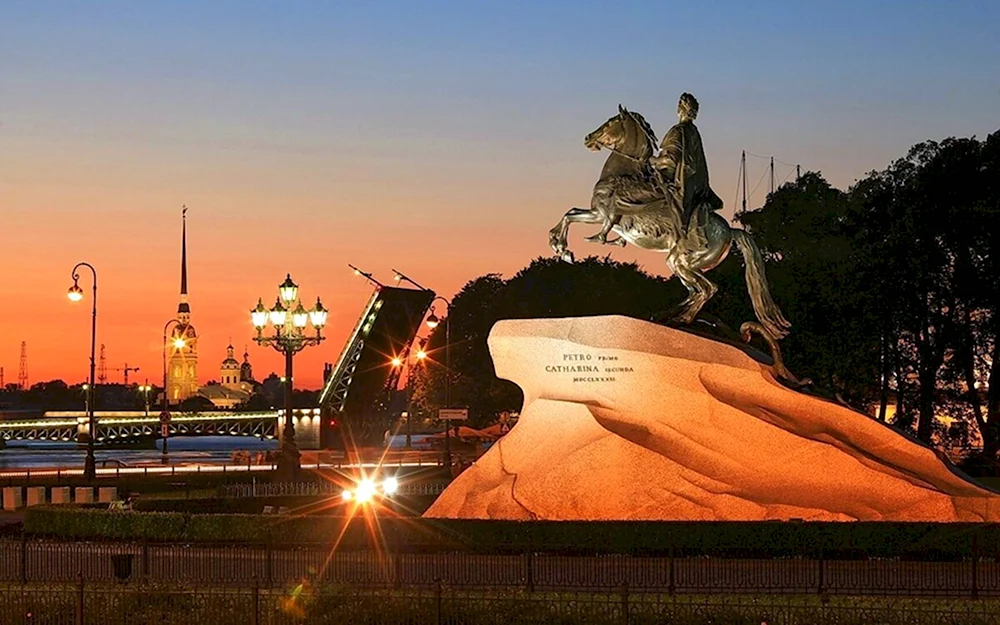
x=630, y=200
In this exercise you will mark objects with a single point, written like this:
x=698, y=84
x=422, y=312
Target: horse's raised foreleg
x=558, y=235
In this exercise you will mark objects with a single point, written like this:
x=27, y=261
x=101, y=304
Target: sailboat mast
x=743, y=172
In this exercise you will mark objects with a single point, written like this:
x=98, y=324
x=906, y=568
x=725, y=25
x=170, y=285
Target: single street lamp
x=433, y=322
x=398, y=362
x=75, y=294
x=177, y=343
x=421, y=358
x=289, y=320
x=145, y=389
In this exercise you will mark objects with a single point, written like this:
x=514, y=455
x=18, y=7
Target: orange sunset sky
x=441, y=139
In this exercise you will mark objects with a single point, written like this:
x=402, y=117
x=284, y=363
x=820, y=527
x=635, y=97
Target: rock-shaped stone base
x=629, y=420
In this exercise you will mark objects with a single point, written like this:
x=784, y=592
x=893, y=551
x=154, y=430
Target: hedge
x=753, y=539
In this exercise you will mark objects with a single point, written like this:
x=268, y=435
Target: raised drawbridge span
x=356, y=394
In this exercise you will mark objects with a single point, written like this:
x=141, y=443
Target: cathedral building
x=182, y=363
x=236, y=383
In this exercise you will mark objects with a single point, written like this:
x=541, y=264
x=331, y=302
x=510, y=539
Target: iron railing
x=272, y=566
x=283, y=489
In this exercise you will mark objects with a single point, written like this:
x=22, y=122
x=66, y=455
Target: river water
x=183, y=450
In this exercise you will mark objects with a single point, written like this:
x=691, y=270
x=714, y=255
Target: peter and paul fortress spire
x=183, y=307
x=182, y=370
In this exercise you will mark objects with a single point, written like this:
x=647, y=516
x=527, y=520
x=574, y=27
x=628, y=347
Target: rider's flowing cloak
x=683, y=141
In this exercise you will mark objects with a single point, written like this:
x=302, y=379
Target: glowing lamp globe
x=300, y=317
x=432, y=320
x=288, y=289
x=318, y=315
x=278, y=314
x=258, y=315
x=75, y=293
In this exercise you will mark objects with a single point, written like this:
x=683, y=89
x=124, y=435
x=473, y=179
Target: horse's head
x=626, y=132
x=611, y=133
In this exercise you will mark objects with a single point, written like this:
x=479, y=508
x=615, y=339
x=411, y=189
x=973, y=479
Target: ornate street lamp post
x=178, y=343
x=75, y=294
x=289, y=320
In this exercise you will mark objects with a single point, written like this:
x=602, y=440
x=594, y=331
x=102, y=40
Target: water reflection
x=182, y=450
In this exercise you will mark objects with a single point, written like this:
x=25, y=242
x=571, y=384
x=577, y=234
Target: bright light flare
x=366, y=489
x=179, y=343
x=390, y=485
x=347, y=495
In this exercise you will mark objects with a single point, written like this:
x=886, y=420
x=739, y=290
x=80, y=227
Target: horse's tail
x=766, y=310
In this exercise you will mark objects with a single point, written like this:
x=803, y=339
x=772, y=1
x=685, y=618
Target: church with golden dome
x=235, y=385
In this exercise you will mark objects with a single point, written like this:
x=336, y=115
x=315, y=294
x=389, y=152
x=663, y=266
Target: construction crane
x=126, y=369
x=22, y=372
x=102, y=368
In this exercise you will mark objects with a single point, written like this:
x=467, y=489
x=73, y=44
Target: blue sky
x=442, y=136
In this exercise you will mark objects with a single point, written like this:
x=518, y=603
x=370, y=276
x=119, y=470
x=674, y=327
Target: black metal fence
x=329, y=489
x=136, y=604
x=246, y=565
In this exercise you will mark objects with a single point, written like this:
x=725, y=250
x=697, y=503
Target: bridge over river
x=134, y=426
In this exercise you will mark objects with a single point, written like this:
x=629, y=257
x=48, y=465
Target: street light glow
x=75, y=293
x=318, y=315
x=259, y=315
x=288, y=289
x=278, y=314
x=432, y=320
x=179, y=343
x=390, y=485
x=397, y=361
x=366, y=489
x=300, y=317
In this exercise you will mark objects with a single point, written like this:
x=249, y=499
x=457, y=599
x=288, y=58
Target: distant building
x=182, y=367
x=236, y=383
x=246, y=371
